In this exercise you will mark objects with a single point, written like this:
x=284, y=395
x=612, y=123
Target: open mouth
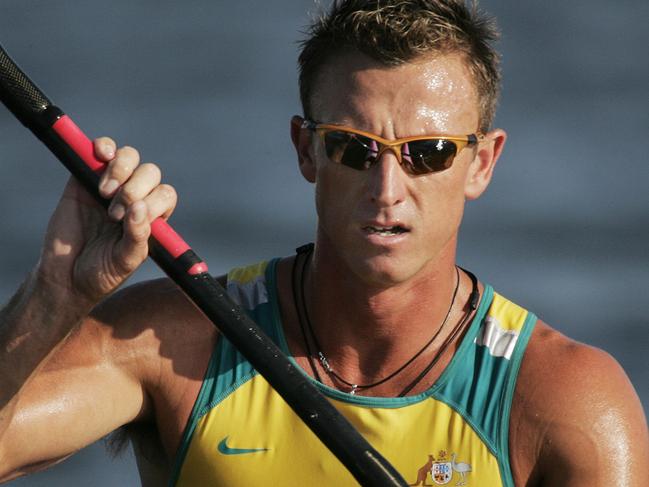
x=386, y=231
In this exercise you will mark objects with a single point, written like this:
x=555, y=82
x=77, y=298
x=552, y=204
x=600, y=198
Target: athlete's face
x=385, y=225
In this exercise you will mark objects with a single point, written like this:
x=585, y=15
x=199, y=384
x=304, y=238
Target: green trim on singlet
x=487, y=406
x=203, y=396
x=378, y=402
x=497, y=375
x=503, y=437
x=486, y=410
x=475, y=405
x=450, y=388
x=218, y=386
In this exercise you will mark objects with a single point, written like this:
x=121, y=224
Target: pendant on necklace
x=354, y=388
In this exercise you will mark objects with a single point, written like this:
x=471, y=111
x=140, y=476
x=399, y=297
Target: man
x=445, y=377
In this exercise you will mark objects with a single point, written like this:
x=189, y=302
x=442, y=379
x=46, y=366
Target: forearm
x=53, y=370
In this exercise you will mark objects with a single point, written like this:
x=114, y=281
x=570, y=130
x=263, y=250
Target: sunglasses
x=417, y=155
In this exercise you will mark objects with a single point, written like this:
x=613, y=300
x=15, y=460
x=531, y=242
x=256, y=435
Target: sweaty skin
x=430, y=206
x=86, y=360
x=380, y=282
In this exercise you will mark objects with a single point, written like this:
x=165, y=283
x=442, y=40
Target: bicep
x=597, y=431
x=79, y=395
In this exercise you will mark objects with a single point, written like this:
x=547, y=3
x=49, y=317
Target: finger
x=142, y=181
x=133, y=248
x=118, y=171
x=161, y=202
x=105, y=148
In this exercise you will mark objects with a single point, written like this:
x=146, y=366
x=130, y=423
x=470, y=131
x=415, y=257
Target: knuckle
x=122, y=167
x=139, y=234
x=130, y=152
x=131, y=262
x=103, y=140
x=120, y=171
x=167, y=192
x=104, y=148
x=127, y=157
x=128, y=193
x=151, y=170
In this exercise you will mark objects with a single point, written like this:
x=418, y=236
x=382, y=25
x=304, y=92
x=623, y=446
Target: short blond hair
x=398, y=31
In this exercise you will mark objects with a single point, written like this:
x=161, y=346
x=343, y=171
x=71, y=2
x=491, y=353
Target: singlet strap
x=228, y=369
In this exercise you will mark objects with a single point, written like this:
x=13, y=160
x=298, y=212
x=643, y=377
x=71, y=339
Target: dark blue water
x=206, y=89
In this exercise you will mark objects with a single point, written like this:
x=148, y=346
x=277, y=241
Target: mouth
x=385, y=231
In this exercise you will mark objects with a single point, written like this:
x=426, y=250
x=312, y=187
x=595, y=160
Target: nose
x=387, y=181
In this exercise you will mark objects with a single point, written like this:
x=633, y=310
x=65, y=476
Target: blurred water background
x=206, y=89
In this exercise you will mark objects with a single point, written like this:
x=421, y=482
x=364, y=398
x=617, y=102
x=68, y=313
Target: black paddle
x=57, y=131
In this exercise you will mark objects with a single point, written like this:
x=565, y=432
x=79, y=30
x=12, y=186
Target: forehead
x=432, y=94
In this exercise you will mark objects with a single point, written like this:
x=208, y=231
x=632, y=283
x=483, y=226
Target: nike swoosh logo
x=226, y=450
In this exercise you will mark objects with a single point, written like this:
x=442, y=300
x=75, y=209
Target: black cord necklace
x=303, y=312
x=305, y=249
x=473, y=304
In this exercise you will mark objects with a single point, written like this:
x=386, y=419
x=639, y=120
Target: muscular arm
x=24, y=348
x=85, y=388
x=577, y=420
x=47, y=346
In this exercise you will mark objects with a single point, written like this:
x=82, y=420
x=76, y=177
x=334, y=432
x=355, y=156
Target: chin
x=375, y=265
x=385, y=271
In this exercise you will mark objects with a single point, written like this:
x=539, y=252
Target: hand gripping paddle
x=68, y=143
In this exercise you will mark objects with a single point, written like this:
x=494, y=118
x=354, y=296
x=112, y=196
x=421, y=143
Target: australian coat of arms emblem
x=442, y=469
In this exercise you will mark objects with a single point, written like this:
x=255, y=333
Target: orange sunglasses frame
x=461, y=141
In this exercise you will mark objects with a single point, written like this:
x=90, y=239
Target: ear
x=482, y=167
x=301, y=138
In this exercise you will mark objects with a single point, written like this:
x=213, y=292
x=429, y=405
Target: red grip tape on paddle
x=160, y=229
x=78, y=142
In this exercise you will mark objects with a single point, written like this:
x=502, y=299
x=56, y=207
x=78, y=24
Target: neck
x=356, y=321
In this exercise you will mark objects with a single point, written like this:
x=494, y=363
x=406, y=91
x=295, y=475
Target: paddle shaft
x=176, y=258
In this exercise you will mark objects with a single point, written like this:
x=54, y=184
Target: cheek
x=331, y=193
x=441, y=204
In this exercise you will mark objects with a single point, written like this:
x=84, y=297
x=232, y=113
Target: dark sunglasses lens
x=426, y=156
x=349, y=149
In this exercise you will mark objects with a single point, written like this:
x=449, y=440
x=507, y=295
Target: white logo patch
x=500, y=342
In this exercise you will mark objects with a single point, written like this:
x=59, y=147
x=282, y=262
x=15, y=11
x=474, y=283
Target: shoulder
x=153, y=332
x=575, y=410
x=158, y=305
x=150, y=326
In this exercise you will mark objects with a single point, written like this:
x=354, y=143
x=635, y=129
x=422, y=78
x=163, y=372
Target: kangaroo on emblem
x=423, y=471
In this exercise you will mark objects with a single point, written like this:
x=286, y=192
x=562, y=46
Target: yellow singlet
x=242, y=433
